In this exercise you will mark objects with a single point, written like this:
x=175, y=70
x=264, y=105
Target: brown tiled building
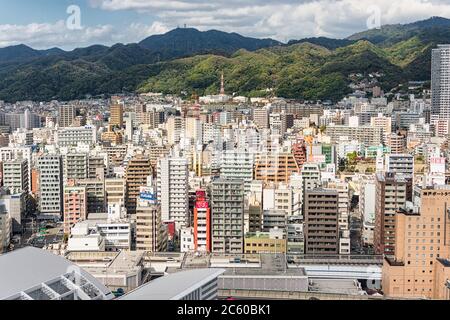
x=390, y=196
x=421, y=265
x=116, y=118
x=138, y=169
x=300, y=152
x=321, y=221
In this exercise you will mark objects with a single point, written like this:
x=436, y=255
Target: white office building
x=400, y=163
x=238, y=165
x=15, y=175
x=440, y=81
x=50, y=185
x=72, y=137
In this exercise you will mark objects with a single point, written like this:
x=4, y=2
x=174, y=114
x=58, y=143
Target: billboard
x=437, y=165
x=147, y=194
x=202, y=204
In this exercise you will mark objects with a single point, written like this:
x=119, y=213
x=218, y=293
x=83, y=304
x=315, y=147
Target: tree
x=352, y=157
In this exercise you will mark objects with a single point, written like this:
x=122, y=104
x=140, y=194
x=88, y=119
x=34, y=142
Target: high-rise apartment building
x=202, y=223
x=174, y=127
x=75, y=166
x=321, y=221
x=261, y=118
x=237, y=165
x=172, y=190
x=50, y=184
x=390, y=196
x=397, y=143
x=115, y=191
x=136, y=174
x=400, y=164
x=67, y=115
x=95, y=191
x=227, y=216
x=75, y=206
x=15, y=175
x=151, y=234
x=440, y=81
x=71, y=137
x=116, y=117
x=275, y=167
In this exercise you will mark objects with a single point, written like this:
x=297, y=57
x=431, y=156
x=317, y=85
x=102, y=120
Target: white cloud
x=139, y=31
x=45, y=35
x=281, y=19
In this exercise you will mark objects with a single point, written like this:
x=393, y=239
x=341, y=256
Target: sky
x=69, y=24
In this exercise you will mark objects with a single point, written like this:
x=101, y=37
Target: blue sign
x=148, y=196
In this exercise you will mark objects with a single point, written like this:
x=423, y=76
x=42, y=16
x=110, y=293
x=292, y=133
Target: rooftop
x=30, y=271
x=97, y=263
x=336, y=286
x=174, y=286
x=394, y=263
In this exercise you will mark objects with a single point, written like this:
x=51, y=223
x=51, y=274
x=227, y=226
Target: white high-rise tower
x=440, y=81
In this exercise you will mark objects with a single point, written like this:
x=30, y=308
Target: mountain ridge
x=400, y=51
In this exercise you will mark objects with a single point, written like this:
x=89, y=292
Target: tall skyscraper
x=67, y=115
x=172, y=189
x=227, y=216
x=440, y=81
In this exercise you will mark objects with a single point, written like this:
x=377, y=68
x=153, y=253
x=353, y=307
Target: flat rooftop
x=123, y=262
x=336, y=286
x=174, y=286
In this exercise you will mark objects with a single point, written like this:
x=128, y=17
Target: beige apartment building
x=275, y=167
x=115, y=190
x=273, y=242
x=150, y=234
x=421, y=265
x=116, y=118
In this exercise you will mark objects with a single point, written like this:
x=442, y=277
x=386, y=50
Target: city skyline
x=212, y=166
